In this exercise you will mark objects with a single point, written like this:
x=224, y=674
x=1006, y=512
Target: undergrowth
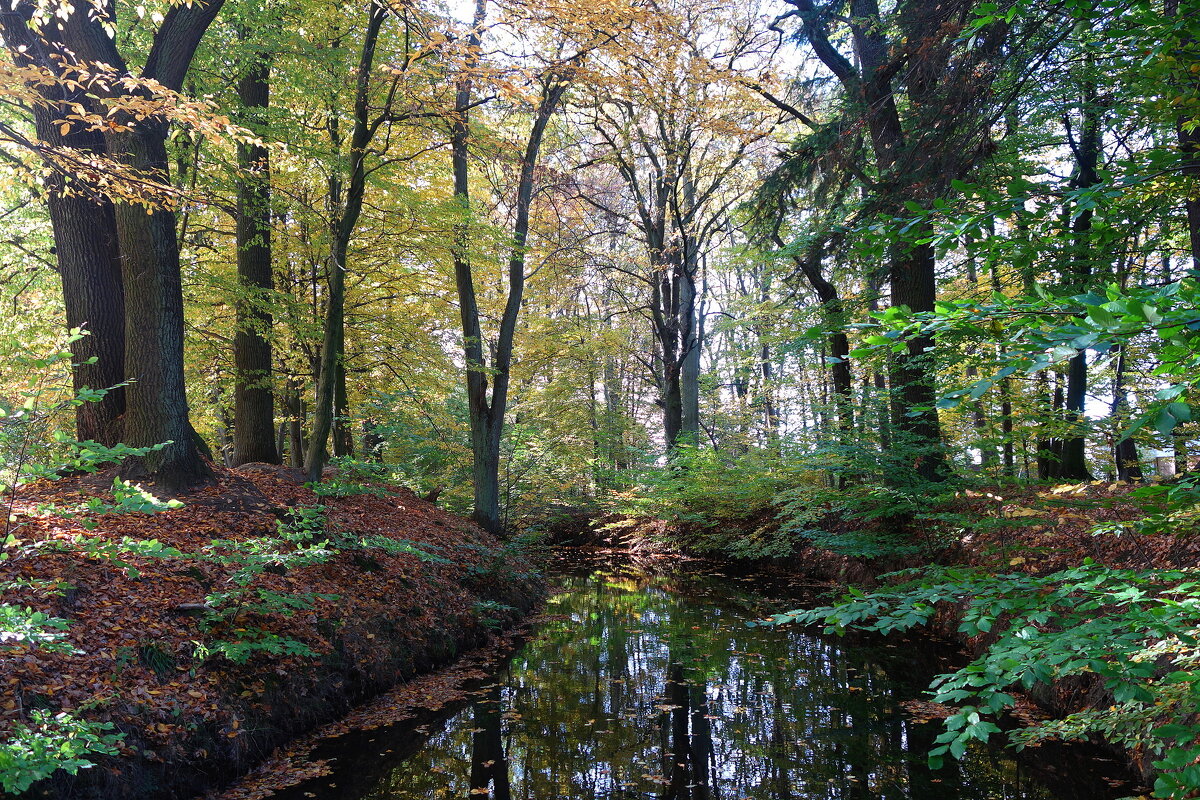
x=1136, y=631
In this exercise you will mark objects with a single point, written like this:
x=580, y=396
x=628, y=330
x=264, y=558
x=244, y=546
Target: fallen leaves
x=135, y=663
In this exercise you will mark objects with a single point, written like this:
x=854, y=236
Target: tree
x=918, y=95
x=487, y=412
x=342, y=225
x=84, y=225
x=677, y=132
x=254, y=397
x=156, y=408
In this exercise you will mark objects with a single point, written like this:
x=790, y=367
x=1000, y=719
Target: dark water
x=652, y=686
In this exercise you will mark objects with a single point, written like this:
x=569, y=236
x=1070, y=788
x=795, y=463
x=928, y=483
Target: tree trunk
x=1087, y=151
x=253, y=394
x=343, y=433
x=913, y=283
x=487, y=414
x=839, y=344
x=156, y=399
x=85, y=242
x=672, y=404
x=689, y=370
x=333, y=341
x=295, y=408
x=1188, y=137
x=1125, y=454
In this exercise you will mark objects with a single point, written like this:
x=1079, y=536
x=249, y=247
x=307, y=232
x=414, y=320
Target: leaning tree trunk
x=253, y=394
x=840, y=373
x=333, y=346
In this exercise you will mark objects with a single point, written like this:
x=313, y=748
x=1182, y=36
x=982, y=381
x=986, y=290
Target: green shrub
x=48, y=743
x=1134, y=631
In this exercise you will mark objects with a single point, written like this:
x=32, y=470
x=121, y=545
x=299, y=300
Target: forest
x=339, y=336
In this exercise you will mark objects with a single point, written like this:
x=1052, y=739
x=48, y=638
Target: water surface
x=650, y=685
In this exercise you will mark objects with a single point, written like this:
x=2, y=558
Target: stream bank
x=208, y=635
x=643, y=680
x=1028, y=530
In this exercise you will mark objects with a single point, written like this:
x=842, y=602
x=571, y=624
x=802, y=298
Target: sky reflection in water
x=652, y=686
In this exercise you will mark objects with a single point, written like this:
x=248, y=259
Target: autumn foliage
x=205, y=662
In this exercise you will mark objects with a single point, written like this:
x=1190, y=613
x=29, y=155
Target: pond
x=649, y=684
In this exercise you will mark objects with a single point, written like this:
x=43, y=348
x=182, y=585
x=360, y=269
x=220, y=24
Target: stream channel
x=649, y=684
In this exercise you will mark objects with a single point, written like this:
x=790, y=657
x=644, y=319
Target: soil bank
x=210, y=634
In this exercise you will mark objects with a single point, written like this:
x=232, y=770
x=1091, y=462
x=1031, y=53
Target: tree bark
x=1087, y=152
x=253, y=393
x=343, y=432
x=85, y=239
x=1188, y=138
x=156, y=399
x=333, y=343
x=1125, y=454
x=156, y=404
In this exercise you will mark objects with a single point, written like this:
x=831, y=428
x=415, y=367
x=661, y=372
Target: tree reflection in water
x=652, y=686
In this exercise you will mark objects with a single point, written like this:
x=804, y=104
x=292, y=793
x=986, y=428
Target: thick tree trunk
x=485, y=462
x=85, y=242
x=332, y=345
x=691, y=338
x=672, y=404
x=156, y=399
x=253, y=394
x=914, y=392
x=1073, y=464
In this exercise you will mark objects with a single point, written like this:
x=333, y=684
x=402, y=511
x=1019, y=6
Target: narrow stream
x=651, y=686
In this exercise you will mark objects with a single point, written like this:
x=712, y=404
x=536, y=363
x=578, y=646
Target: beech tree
x=676, y=132
x=487, y=410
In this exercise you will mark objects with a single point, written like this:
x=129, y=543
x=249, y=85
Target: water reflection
x=651, y=686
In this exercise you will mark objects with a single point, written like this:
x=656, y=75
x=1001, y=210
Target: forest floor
x=210, y=634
